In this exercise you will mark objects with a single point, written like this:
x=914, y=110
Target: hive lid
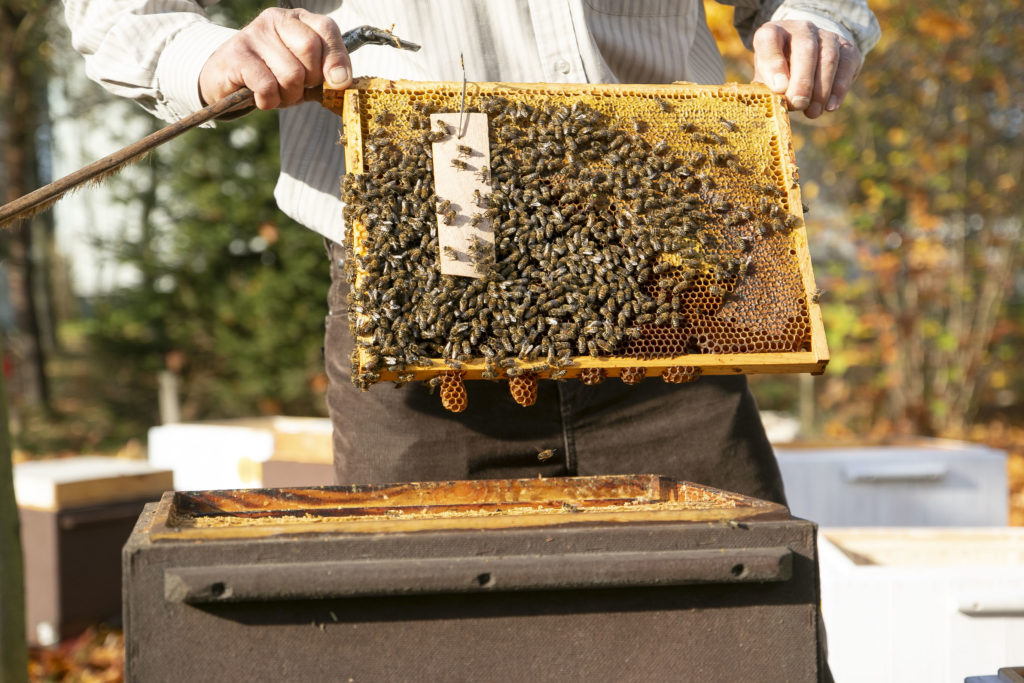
x=497, y=503
x=932, y=547
x=87, y=480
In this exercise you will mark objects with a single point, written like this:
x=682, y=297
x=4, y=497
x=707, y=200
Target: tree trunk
x=13, y=650
x=19, y=162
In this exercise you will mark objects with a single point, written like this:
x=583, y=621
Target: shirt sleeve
x=852, y=19
x=150, y=51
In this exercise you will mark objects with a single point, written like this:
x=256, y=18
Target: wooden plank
x=480, y=88
x=353, y=133
x=185, y=514
x=819, y=344
x=302, y=525
x=709, y=364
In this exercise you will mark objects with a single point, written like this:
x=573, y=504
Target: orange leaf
x=941, y=25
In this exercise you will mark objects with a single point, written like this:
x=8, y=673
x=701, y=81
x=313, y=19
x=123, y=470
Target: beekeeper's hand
x=813, y=68
x=277, y=56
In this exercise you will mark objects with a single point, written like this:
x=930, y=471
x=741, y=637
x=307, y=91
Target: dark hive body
x=627, y=227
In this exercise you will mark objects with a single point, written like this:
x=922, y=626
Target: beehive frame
x=772, y=160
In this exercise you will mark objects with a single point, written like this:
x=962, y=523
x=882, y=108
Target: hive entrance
x=636, y=230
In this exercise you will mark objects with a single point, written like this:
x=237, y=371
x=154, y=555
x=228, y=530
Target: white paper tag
x=462, y=184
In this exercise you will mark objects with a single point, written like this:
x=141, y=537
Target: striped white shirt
x=153, y=50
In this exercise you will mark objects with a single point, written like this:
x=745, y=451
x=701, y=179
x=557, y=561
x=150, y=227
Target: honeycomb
x=524, y=389
x=453, y=391
x=632, y=375
x=680, y=374
x=635, y=227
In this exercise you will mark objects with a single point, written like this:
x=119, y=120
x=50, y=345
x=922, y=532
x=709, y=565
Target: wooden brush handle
x=39, y=199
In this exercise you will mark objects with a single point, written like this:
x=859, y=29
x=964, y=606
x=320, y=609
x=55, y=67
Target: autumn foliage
x=925, y=159
x=916, y=221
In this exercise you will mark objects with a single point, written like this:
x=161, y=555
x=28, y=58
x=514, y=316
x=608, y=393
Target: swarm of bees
x=641, y=237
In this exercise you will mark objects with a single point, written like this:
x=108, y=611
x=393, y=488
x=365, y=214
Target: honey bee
x=722, y=158
x=727, y=124
x=769, y=191
x=721, y=205
x=424, y=107
x=403, y=378
x=545, y=454
x=460, y=164
x=464, y=150
x=441, y=127
x=745, y=266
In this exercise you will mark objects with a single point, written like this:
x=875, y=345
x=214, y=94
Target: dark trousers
x=708, y=432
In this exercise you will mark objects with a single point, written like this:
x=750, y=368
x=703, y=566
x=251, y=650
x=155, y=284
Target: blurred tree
x=923, y=307
x=231, y=292
x=928, y=156
x=13, y=649
x=24, y=53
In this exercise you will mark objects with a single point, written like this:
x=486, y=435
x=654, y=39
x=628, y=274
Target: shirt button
x=562, y=66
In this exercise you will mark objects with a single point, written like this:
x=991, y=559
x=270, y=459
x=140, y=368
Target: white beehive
x=937, y=604
x=924, y=483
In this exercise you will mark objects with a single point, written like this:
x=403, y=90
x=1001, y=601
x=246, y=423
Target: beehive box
x=638, y=231
x=530, y=579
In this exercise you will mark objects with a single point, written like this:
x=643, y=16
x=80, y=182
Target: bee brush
x=32, y=203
